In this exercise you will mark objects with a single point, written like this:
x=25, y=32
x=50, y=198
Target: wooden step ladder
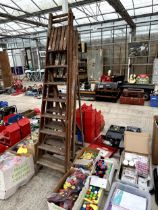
x=56, y=133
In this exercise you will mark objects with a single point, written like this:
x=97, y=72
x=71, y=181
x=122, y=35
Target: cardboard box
x=81, y=197
x=137, y=142
x=79, y=155
x=105, y=183
x=15, y=175
x=155, y=142
x=77, y=204
x=86, y=149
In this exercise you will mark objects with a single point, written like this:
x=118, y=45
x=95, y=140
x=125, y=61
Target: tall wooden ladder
x=56, y=133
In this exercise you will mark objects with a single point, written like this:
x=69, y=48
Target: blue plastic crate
x=154, y=101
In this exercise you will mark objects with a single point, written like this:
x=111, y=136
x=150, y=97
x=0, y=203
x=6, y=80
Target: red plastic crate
x=25, y=127
x=11, y=135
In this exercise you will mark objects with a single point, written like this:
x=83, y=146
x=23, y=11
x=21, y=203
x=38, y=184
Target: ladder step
x=56, y=66
x=59, y=16
x=57, y=51
x=63, y=94
x=54, y=116
x=53, y=163
x=56, y=110
x=55, y=125
x=53, y=133
x=55, y=83
x=55, y=100
x=53, y=149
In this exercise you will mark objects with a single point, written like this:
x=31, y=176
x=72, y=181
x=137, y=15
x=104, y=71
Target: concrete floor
x=33, y=195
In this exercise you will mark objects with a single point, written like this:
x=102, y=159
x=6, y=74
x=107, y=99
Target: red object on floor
x=10, y=135
x=3, y=148
x=98, y=143
x=93, y=122
x=25, y=127
x=132, y=100
x=18, y=92
x=37, y=111
x=105, y=78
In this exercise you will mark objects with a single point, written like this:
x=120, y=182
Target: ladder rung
x=53, y=149
x=60, y=20
x=55, y=100
x=59, y=16
x=55, y=125
x=56, y=66
x=53, y=163
x=54, y=83
x=57, y=51
x=54, y=116
x=56, y=110
x=53, y=133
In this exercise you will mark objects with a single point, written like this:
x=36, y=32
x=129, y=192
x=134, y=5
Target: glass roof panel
x=85, y=14
x=143, y=11
x=138, y=3
x=127, y=4
x=155, y=8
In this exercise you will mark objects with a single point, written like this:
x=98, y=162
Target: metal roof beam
x=54, y=9
x=120, y=9
x=18, y=18
x=119, y=19
x=10, y=7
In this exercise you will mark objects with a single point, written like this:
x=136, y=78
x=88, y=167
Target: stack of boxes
x=132, y=96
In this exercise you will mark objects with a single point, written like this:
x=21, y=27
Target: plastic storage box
x=150, y=182
x=154, y=101
x=127, y=188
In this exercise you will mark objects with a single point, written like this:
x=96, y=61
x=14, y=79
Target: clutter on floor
x=89, y=183
x=134, y=175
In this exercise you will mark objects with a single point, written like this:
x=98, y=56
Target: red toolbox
x=11, y=135
x=132, y=100
x=25, y=127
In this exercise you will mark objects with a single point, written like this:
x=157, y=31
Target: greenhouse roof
x=24, y=17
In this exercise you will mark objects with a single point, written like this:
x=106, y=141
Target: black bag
x=115, y=135
x=5, y=111
x=134, y=129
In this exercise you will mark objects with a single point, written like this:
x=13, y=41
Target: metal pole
x=129, y=59
x=126, y=40
x=38, y=56
x=65, y=6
